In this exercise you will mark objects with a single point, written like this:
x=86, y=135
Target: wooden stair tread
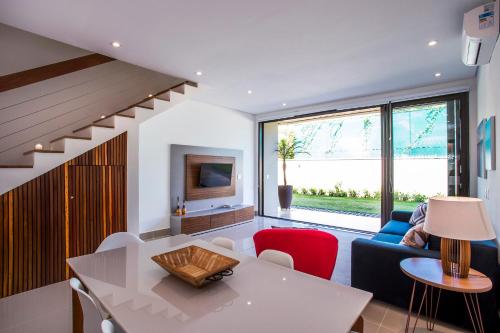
x=145, y=107
x=96, y=125
x=71, y=137
x=44, y=151
x=15, y=166
x=124, y=115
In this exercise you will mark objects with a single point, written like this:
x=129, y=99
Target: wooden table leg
x=77, y=313
x=358, y=325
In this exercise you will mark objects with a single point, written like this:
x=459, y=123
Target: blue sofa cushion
x=396, y=228
x=387, y=238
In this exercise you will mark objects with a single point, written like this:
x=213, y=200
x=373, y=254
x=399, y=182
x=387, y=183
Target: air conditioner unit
x=480, y=34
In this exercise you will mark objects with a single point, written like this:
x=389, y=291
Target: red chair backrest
x=314, y=252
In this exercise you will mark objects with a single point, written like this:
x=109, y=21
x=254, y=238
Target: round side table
x=430, y=273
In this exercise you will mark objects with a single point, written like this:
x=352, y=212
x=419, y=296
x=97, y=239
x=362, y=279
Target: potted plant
x=287, y=149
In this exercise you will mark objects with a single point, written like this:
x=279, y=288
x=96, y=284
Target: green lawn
x=358, y=205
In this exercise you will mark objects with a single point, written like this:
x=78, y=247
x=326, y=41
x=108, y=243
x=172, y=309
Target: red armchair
x=314, y=252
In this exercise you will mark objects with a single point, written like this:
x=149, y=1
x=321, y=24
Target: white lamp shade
x=460, y=218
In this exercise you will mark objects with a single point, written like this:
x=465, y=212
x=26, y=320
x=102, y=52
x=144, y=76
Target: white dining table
x=259, y=297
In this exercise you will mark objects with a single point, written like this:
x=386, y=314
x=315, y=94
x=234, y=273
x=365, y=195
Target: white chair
x=107, y=326
x=277, y=257
x=92, y=317
x=224, y=242
x=117, y=240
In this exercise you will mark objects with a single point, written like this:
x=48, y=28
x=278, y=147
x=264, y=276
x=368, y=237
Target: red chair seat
x=313, y=251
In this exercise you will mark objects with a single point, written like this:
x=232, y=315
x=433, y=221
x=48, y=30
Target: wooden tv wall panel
x=192, y=189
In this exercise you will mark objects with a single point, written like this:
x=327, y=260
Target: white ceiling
x=294, y=51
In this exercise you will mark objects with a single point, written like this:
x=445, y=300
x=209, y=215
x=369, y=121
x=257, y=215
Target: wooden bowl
x=196, y=265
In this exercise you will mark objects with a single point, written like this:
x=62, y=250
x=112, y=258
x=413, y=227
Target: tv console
x=209, y=219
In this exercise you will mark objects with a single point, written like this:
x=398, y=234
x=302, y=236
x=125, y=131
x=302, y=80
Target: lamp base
x=455, y=257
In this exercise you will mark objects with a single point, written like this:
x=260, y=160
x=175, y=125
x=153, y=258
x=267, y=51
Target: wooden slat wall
x=41, y=226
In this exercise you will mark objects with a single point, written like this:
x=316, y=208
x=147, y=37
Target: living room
x=326, y=166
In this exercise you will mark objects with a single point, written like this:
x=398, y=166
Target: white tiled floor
x=365, y=223
x=383, y=318
x=48, y=309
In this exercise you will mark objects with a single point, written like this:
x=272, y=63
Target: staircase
x=64, y=148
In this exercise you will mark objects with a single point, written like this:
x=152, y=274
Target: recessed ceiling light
x=437, y=74
x=199, y=73
x=249, y=92
x=150, y=95
x=432, y=43
x=284, y=104
x=103, y=116
x=38, y=146
x=116, y=44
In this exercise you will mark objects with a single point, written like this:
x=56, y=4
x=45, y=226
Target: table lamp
x=457, y=220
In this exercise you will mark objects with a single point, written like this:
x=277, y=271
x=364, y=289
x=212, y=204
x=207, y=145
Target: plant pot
x=285, y=193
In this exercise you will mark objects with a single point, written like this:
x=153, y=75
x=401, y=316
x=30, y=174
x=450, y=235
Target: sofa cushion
x=415, y=237
x=396, y=228
x=387, y=238
x=401, y=215
x=418, y=215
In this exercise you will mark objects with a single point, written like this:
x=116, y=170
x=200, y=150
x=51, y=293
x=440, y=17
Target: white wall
x=189, y=123
x=488, y=104
x=22, y=50
x=270, y=169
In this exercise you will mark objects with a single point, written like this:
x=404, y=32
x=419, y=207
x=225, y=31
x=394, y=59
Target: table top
x=258, y=297
x=429, y=271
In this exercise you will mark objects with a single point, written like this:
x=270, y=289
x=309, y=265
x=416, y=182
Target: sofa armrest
x=375, y=268
x=401, y=215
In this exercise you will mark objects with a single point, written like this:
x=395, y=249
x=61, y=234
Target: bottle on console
x=184, y=208
x=178, y=211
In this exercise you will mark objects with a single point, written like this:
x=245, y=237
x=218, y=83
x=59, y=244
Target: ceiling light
x=199, y=73
x=116, y=44
x=103, y=116
x=432, y=43
x=150, y=95
x=38, y=146
x=249, y=92
x=437, y=74
x=284, y=104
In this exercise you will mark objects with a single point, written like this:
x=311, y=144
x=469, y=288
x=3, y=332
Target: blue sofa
x=375, y=268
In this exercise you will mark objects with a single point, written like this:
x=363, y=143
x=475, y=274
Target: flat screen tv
x=215, y=174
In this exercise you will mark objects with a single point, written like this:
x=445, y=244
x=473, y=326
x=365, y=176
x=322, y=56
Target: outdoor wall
x=189, y=123
x=416, y=175
x=488, y=104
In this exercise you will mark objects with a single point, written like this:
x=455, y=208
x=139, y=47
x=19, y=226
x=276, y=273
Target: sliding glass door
x=351, y=168
x=334, y=173
x=427, y=150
